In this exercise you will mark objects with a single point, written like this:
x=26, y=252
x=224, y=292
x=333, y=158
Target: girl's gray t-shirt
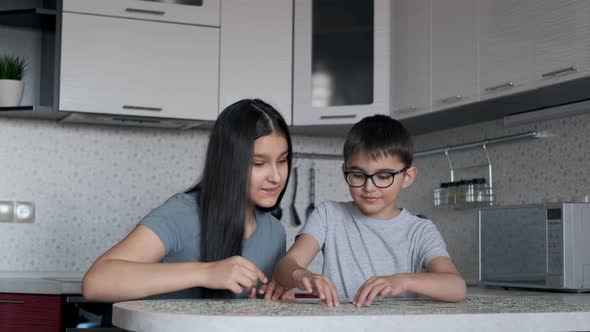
x=177, y=223
x=356, y=247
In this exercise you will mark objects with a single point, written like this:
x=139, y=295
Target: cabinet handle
x=142, y=108
x=560, y=71
x=452, y=99
x=325, y=117
x=145, y=11
x=406, y=110
x=11, y=302
x=500, y=86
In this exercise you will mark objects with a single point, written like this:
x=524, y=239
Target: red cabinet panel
x=30, y=313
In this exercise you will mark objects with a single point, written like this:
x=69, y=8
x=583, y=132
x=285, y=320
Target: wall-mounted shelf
x=39, y=18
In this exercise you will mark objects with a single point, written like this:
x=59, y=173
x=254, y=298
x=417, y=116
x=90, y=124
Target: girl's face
x=269, y=171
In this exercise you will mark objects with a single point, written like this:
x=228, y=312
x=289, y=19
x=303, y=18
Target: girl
x=219, y=237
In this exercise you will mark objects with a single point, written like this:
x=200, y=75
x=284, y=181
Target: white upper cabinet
x=135, y=67
x=454, y=53
x=563, y=40
x=256, y=53
x=506, y=47
x=341, y=60
x=410, y=74
x=199, y=12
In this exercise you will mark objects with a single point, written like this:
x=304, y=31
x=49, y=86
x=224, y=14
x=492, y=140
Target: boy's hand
x=319, y=285
x=379, y=287
x=274, y=291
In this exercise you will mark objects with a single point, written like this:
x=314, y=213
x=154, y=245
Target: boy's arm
x=291, y=271
x=443, y=282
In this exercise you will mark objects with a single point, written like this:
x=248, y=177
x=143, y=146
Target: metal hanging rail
x=443, y=150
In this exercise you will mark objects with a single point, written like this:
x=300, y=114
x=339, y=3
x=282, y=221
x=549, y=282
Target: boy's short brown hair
x=378, y=136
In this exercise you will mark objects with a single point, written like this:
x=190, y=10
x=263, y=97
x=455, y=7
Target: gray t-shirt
x=177, y=224
x=357, y=247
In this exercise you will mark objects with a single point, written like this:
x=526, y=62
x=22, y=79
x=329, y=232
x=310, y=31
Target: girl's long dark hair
x=223, y=186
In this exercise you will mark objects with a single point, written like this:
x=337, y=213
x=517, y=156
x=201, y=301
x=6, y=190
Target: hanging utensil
x=311, y=205
x=277, y=212
x=294, y=215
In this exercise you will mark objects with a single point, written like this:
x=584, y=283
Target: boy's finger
x=386, y=291
x=320, y=288
x=262, y=290
x=358, y=294
x=307, y=284
x=278, y=292
x=376, y=290
x=362, y=296
x=334, y=293
x=269, y=290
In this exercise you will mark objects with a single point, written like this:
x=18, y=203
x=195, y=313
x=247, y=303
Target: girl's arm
x=291, y=271
x=132, y=269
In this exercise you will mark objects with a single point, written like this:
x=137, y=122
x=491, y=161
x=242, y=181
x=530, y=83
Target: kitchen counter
x=483, y=310
x=49, y=283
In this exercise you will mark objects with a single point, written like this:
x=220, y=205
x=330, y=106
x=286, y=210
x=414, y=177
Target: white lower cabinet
x=141, y=68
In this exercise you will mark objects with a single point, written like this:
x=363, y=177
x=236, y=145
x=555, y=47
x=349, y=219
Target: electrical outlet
x=24, y=212
x=6, y=211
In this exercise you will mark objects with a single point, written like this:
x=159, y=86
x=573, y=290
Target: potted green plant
x=12, y=70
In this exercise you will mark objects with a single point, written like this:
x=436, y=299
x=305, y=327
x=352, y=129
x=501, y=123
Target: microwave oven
x=535, y=246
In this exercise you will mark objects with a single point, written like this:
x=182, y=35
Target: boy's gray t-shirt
x=177, y=224
x=357, y=247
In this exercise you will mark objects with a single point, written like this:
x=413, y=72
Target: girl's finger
x=252, y=294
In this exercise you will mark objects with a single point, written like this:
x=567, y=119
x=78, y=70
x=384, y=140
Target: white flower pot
x=11, y=92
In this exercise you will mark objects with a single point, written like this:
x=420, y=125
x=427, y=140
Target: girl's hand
x=235, y=273
x=380, y=287
x=274, y=291
x=317, y=284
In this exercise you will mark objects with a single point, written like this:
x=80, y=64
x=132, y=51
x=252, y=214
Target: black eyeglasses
x=380, y=179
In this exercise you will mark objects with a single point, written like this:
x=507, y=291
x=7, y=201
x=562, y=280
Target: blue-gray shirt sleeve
x=173, y=221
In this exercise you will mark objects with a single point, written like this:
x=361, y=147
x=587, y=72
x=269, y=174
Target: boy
x=371, y=247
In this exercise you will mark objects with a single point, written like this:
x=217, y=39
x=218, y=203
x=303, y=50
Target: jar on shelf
x=452, y=193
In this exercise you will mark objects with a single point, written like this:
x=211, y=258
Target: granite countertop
x=44, y=282
x=483, y=310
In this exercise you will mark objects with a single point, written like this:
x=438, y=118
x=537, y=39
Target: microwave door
x=512, y=248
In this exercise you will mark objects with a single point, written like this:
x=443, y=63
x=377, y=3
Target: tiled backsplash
x=91, y=185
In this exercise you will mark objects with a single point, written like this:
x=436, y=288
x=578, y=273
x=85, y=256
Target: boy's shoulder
x=331, y=207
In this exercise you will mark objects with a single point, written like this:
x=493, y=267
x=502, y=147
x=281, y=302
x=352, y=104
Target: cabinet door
x=563, y=40
x=25, y=313
x=201, y=12
x=256, y=53
x=134, y=67
x=454, y=53
x=506, y=47
x=410, y=58
x=341, y=60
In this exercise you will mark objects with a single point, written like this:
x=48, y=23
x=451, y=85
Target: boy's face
x=375, y=202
